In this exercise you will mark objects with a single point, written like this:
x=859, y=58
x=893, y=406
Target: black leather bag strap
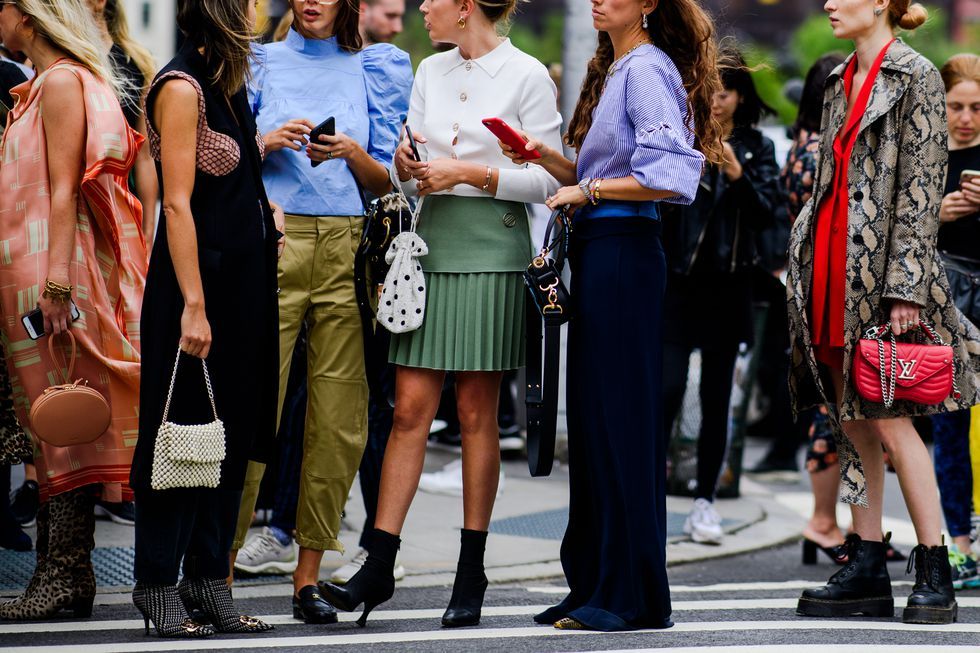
x=543, y=360
x=541, y=396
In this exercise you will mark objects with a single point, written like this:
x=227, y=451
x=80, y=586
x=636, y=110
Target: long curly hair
x=683, y=30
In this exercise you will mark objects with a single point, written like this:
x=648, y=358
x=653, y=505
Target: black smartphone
x=34, y=321
x=325, y=128
x=412, y=143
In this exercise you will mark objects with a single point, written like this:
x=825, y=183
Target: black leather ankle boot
x=471, y=581
x=932, y=600
x=373, y=584
x=861, y=587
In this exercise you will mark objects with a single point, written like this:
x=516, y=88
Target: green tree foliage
x=814, y=38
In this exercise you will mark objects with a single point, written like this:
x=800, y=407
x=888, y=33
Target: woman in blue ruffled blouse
x=321, y=71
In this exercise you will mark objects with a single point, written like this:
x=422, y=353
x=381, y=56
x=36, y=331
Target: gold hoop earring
x=461, y=22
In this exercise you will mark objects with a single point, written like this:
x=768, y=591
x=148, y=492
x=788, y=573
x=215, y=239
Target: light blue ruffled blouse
x=367, y=94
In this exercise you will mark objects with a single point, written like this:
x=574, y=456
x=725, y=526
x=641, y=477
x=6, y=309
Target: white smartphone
x=34, y=321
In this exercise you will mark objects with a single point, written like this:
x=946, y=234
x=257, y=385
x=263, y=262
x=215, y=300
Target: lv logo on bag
x=907, y=367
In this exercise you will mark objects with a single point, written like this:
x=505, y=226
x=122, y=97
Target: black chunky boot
x=212, y=596
x=471, y=581
x=861, y=587
x=932, y=600
x=373, y=584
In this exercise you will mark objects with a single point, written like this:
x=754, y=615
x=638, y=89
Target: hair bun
x=915, y=16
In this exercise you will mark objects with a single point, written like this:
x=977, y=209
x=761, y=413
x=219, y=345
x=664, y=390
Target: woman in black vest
x=211, y=287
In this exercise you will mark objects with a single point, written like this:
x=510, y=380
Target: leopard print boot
x=63, y=577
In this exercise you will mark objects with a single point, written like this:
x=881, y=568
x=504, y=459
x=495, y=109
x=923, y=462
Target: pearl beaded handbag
x=188, y=455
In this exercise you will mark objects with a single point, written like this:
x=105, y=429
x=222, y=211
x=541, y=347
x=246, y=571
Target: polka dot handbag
x=188, y=455
x=402, y=304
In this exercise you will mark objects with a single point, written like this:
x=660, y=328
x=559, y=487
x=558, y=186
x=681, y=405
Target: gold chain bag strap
x=69, y=413
x=188, y=455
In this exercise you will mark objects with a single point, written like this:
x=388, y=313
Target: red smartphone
x=507, y=135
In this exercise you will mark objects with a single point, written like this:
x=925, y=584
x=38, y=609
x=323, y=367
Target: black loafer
x=311, y=608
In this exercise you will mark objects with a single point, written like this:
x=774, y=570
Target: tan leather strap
x=70, y=362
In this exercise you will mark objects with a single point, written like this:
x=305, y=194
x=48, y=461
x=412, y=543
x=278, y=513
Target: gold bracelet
x=595, y=191
x=486, y=186
x=56, y=292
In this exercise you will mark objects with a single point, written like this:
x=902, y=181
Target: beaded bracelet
x=596, y=197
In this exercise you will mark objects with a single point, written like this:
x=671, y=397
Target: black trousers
x=613, y=552
x=193, y=525
x=381, y=415
x=717, y=369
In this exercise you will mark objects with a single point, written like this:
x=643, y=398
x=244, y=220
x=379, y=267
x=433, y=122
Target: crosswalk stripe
x=723, y=587
x=375, y=638
x=796, y=648
x=406, y=615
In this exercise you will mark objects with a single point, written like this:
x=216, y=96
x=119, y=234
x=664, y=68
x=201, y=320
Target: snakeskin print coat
x=896, y=179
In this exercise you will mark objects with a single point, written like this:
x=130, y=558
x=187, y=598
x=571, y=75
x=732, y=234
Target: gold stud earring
x=461, y=22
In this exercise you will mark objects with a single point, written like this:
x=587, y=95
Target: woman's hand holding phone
x=291, y=136
x=533, y=144
x=338, y=146
x=970, y=187
x=444, y=174
x=405, y=163
x=57, y=315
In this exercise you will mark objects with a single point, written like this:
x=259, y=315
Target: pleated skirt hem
x=474, y=322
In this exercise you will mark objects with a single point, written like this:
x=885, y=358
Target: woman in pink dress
x=70, y=232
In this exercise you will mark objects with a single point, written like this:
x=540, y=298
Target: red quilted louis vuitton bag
x=925, y=373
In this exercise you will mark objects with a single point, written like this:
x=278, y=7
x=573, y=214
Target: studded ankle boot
x=162, y=605
x=63, y=578
x=861, y=587
x=932, y=600
x=213, y=598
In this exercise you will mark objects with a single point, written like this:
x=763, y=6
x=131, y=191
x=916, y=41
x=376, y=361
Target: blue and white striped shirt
x=639, y=128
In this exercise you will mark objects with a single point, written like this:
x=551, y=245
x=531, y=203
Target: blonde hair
x=964, y=67
x=69, y=26
x=905, y=15
x=115, y=20
x=283, y=27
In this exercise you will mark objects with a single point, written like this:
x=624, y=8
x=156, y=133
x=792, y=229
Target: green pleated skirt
x=474, y=322
x=474, y=314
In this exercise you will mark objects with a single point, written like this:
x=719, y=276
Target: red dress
x=830, y=235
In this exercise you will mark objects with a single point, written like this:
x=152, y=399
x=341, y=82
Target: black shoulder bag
x=548, y=299
x=385, y=218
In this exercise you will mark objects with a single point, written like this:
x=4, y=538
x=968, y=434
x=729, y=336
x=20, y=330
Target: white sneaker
x=704, y=523
x=343, y=574
x=449, y=480
x=263, y=554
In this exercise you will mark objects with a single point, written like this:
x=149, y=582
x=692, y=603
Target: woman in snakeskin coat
x=885, y=199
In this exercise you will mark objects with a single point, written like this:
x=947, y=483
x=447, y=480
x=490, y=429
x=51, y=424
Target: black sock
x=472, y=546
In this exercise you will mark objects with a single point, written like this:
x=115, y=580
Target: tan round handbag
x=69, y=413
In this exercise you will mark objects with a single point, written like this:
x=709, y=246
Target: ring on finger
x=329, y=155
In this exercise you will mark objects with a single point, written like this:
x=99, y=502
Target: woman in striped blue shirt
x=642, y=129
